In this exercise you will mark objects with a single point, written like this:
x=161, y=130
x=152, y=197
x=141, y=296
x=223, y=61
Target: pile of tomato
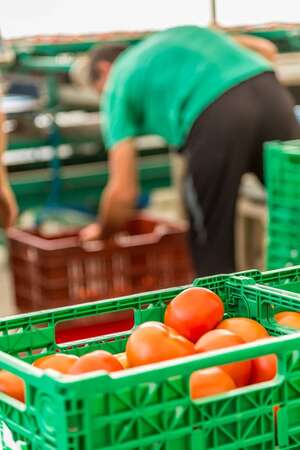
x=193, y=324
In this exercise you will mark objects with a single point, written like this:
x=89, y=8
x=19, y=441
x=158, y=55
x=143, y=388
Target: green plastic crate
x=282, y=173
x=145, y=408
x=54, y=49
x=286, y=40
x=272, y=291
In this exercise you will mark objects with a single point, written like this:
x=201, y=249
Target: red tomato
x=239, y=371
x=12, y=385
x=153, y=342
x=194, y=312
x=248, y=329
x=290, y=319
x=59, y=362
x=98, y=360
x=264, y=368
x=208, y=382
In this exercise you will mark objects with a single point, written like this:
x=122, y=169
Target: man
x=211, y=100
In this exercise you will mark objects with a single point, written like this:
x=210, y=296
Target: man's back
x=162, y=85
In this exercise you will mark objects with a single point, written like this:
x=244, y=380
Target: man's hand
x=118, y=200
x=91, y=232
x=8, y=207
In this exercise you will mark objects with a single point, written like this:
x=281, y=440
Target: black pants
x=225, y=142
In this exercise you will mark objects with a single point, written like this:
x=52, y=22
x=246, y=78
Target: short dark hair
x=104, y=53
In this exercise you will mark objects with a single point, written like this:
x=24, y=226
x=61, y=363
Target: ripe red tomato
x=153, y=342
x=98, y=360
x=290, y=319
x=59, y=362
x=12, y=385
x=239, y=371
x=194, y=312
x=264, y=368
x=208, y=382
x=248, y=329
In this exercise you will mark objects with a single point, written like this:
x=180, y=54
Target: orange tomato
x=98, y=360
x=239, y=371
x=248, y=329
x=153, y=342
x=122, y=358
x=212, y=381
x=59, y=362
x=290, y=319
x=264, y=368
x=38, y=362
x=194, y=312
x=12, y=385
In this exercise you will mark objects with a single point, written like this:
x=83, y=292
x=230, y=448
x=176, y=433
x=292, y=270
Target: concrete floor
x=7, y=306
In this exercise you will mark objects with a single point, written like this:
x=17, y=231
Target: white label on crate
x=7, y=441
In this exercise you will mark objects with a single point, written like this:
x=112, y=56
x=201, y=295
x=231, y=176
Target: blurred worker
x=8, y=206
x=214, y=102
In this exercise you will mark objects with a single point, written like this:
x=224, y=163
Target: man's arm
x=263, y=46
x=118, y=200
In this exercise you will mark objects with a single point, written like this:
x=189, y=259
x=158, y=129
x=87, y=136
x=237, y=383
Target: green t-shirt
x=161, y=85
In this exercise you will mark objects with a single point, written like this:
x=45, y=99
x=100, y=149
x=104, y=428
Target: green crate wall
x=272, y=291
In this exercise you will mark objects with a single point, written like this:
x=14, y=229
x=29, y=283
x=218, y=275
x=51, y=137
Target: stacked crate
x=282, y=174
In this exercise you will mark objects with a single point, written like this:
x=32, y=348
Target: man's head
x=101, y=60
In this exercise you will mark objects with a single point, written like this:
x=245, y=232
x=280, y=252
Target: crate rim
x=176, y=366
x=254, y=280
x=46, y=312
x=162, y=228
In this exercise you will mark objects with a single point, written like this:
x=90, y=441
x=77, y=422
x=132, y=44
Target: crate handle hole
x=91, y=327
x=206, y=383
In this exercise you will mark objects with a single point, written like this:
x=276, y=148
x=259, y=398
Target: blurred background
x=58, y=166
x=65, y=16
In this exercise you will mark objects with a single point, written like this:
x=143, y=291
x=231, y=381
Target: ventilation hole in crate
x=63, y=391
x=15, y=331
x=80, y=405
x=39, y=351
x=294, y=253
x=23, y=355
x=40, y=325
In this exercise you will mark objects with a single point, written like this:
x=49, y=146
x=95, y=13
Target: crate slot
x=92, y=327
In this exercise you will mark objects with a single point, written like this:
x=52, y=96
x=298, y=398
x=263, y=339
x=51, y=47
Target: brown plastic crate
x=49, y=272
